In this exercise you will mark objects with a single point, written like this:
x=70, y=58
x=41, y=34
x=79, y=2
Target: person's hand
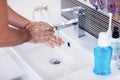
x=44, y=33
x=54, y=41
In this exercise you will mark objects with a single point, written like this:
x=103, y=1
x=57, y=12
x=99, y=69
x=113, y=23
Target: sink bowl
x=53, y=63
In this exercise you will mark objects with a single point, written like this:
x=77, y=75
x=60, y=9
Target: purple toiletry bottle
x=101, y=4
x=93, y=2
x=111, y=6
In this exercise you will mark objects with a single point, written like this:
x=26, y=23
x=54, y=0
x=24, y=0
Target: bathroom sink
x=53, y=63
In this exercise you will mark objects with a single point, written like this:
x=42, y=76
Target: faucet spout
x=78, y=23
x=66, y=24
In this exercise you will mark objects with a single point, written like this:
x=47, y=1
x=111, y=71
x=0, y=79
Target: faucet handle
x=72, y=9
x=42, y=7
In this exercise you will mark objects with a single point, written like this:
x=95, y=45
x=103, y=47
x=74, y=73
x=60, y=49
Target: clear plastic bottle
x=102, y=56
x=115, y=43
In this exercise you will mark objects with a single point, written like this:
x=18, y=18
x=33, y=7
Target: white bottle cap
x=103, y=40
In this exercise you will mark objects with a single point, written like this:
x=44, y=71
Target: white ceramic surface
x=72, y=58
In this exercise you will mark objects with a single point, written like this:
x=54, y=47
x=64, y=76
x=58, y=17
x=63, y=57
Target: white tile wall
x=25, y=7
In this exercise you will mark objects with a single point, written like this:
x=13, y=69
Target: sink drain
x=55, y=61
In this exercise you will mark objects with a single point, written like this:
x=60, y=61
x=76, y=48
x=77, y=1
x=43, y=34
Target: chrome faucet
x=78, y=22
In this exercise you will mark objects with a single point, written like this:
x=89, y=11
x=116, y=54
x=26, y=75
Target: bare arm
x=38, y=32
x=10, y=36
x=15, y=19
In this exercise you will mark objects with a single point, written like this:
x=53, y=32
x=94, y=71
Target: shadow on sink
x=53, y=63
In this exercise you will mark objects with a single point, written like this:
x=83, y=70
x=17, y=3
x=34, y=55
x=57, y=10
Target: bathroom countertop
x=87, y=74
x=88, y=42
x=9, y=69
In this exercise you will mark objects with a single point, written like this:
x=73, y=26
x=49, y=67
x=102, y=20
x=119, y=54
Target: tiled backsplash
x=95, y=21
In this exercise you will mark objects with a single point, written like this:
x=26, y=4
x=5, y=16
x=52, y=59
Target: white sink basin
x=60, y=63
x=73, y=62
x=54, y=63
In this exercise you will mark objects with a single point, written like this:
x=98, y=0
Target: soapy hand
x=44, y=33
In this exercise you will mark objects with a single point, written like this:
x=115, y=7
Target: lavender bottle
x=101, y=4
x=93, y=2
x=111, y=6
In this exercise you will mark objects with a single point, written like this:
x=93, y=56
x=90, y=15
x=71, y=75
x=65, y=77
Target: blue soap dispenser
x=102, y=56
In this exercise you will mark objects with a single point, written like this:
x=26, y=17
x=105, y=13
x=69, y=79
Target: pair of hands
x=44, y=33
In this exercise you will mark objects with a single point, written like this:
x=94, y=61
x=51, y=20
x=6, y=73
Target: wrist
x=26, y=26
x=28, y=35
x=29, y=25
x=33, y=26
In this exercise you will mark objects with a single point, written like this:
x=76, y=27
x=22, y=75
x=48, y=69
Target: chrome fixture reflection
x=39, y=11
x=78, y=22
x=55, y=61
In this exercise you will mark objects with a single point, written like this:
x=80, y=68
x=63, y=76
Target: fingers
x=49, y=44
x=55, y=41
x=49, y=28
x=51, y=41
x=45, y=26
x=41, y=39
x=49, y=33
x=44, y=33
x=39, y=26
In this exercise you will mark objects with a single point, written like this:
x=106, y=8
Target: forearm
x=16, y=20
x=40, y=32
x=12, y=37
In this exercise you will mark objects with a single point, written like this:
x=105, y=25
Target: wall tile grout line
x=95, y=21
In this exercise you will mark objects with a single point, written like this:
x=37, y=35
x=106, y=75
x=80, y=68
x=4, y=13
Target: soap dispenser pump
x=102, y=56
x=109, y=31
x=115, y=33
